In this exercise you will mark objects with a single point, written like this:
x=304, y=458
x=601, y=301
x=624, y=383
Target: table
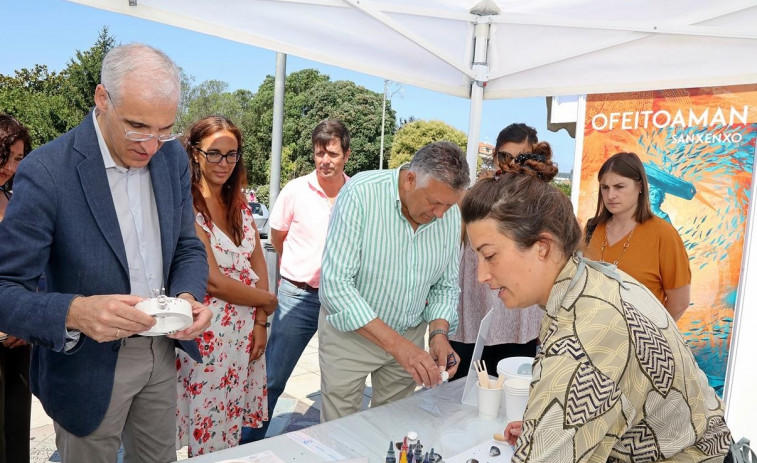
x=437, y=415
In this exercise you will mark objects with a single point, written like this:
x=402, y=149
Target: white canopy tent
x=496, y=49
x=490, y=49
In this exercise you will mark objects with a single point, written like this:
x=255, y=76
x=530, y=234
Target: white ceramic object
x=516, y=398
x=171, y=314
x=510, y=367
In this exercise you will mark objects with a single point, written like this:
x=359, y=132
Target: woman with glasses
x=228, y=390
x=614, y=380
x=15, y=396
x=512, y=333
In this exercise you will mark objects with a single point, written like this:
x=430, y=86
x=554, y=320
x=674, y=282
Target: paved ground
x=299, y=407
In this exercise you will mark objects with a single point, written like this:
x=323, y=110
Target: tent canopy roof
x=535, y=48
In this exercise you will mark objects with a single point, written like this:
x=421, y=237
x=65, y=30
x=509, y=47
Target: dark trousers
x=491, y=355
x=15, y=404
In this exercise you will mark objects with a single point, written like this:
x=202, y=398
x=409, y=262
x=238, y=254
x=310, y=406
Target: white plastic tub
x=510, y=367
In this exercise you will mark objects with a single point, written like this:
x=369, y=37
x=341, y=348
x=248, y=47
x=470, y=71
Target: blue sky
x=50, y=31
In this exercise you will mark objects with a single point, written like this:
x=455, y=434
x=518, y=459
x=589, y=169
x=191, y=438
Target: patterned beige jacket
x=615, y=380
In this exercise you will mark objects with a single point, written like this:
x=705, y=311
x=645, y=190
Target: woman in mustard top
x=624, y=232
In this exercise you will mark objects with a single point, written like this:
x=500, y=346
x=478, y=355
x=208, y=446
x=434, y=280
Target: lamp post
x=383, y=121
x=399, y=88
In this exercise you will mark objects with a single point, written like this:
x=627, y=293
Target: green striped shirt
x=375, y=265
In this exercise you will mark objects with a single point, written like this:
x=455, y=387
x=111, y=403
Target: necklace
x=625, y=245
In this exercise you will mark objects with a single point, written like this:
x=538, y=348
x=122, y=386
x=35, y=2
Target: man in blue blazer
x=105, y=211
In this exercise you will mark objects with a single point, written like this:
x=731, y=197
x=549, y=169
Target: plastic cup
x=516, y=398
x=488, y=402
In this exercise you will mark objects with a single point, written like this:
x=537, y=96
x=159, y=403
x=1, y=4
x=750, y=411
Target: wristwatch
x=438, y=331
x=266, y=324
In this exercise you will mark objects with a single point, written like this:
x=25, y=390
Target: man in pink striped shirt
x=299, y=221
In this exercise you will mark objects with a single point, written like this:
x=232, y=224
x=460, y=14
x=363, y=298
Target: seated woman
x=626, y=233
x=614, y=380
x=228, y=390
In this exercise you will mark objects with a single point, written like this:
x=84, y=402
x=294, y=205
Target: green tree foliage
x=82, y=74
x=414, y=135
x=562, y=186
x=35, y=97
x=211, y=98
x=50, y=103
x=309, y=98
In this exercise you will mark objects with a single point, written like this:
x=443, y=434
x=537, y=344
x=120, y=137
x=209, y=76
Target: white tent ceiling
x=491, y=49
x=536, y=48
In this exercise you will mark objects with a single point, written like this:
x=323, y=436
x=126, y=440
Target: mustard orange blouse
x=656, y=255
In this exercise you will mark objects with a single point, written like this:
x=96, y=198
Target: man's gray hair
x=157, y=75
x=443, y=161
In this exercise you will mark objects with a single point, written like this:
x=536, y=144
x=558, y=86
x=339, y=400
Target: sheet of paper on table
x=318, y=448
x=481, y=452
x=262, y=457
x=269, y=457
x=470, y=396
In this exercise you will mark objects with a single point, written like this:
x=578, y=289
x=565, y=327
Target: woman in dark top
x=15, y=396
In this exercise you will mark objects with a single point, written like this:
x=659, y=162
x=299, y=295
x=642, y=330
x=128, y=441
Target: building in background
x=485, y=158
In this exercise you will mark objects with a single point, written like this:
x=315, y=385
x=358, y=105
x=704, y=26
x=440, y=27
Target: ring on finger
x=118, y=332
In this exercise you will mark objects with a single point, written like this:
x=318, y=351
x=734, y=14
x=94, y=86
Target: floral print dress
x=227, y=391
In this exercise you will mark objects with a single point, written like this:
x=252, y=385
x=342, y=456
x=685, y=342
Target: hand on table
x=108, y=317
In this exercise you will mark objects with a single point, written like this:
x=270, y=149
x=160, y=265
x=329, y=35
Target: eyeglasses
x=141, y=136
x=232, y=157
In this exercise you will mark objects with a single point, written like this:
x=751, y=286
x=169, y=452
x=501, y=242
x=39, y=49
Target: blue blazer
x=62, y=222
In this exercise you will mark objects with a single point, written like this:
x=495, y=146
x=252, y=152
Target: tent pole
x=383, y=123
x=481, y=70
x=278, y=127
x=474, y=129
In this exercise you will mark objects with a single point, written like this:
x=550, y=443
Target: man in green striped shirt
x=390, y=268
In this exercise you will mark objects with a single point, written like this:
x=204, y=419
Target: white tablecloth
x=437, y=415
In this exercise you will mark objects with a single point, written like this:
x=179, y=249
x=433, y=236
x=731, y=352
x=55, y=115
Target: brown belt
x=301, y=285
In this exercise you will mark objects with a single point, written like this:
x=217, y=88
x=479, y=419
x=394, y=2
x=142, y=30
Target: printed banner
x=698, y=147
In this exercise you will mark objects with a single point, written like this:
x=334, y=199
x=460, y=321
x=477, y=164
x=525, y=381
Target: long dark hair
x=626, y=165
x=231, y=192
x=11, y=131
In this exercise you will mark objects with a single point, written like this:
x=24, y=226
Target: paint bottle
x=390, y=454
x=417, y=455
